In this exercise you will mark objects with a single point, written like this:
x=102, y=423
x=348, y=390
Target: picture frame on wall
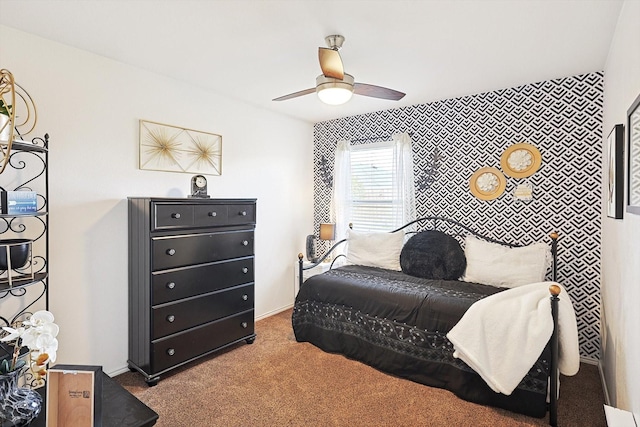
x=633, y=165
x=615, y=182
x=176, y=149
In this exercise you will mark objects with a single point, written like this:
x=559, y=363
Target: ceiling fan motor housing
x=334, y=41
x=323, y=82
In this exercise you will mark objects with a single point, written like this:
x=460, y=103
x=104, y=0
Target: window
x=373, y=185
x=373, y=206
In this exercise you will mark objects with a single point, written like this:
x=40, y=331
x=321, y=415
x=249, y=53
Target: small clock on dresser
x=199, y=187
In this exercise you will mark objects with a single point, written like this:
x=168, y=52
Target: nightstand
x=320, y=268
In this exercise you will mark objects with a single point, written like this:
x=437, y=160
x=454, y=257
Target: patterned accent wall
x=455, y=137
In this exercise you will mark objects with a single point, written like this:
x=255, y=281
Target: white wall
x=90, y=106
x=621, y=238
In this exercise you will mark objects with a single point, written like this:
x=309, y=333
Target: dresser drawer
x=180, y=251
x=174, y=317
x=210, y=215
x=195, y=280
x=170, y=351
x=172, y=215
x=241, y=214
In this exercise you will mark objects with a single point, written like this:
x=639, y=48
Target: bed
x=399, y=319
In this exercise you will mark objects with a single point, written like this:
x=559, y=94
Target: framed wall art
x=615, y=181
x=175, y=149
x=633, y=174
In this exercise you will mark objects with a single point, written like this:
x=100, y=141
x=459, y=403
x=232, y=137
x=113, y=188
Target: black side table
x=119, y=407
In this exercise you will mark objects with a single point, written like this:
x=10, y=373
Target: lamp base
x=311, y=248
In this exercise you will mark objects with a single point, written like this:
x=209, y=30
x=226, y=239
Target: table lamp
x=327, y=232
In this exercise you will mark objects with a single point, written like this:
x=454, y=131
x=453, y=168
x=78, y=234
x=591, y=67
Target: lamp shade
x=327, y=231
x=334, y=95
x=334, y=91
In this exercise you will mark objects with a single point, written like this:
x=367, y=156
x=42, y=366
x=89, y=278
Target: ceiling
x=257, y=50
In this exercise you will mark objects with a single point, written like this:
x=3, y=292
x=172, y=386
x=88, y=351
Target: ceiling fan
x=336, y=87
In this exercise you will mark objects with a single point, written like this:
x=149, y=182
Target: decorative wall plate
x=520, y=160
x=487, y=183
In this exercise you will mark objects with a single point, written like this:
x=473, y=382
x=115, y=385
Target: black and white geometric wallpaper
x=455, y=137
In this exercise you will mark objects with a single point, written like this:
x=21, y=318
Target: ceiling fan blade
x=295, y=94
x=377, y=91
x=330, y=63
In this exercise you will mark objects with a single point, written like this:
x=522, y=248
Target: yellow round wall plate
x=520, y=160
x=487, y=183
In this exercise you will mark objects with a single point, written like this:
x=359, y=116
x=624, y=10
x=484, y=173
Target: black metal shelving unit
x=27, y=169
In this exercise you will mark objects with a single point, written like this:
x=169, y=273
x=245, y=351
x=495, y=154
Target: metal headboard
x=441, y=224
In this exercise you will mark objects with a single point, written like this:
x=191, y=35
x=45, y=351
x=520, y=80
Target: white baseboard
x=118, y=371
x=605, y=390
x=589, y=361
x=274, y=312
x=598, y=363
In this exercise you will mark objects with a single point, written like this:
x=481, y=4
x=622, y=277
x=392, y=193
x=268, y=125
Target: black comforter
x=398, y=324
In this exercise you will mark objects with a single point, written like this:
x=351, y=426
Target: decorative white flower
x=487, y=182
x=520, y=160
x=38, y=334
x=13, y=334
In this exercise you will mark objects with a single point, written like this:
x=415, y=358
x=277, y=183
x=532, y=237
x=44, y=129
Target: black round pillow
x=433, y=255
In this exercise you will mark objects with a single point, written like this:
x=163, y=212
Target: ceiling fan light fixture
x=335, y=95
x=334, y=91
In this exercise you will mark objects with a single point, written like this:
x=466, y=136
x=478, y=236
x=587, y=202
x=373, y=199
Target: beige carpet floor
x=279, y=382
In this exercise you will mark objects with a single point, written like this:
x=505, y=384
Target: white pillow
x=375, y=249
x=498, y=265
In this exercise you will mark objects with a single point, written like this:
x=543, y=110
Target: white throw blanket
x=501, y=336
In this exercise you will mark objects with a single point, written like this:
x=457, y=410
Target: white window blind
x=373, y=186
x=373, y=206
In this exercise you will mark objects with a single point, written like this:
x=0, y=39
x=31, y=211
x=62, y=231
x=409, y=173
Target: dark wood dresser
x=191, y=280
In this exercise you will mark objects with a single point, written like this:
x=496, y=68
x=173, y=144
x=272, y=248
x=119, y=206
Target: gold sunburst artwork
x=174, y=149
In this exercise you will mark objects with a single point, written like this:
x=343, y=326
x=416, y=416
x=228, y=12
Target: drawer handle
x=171, y=252
x=245, y=297
x=242, y=213
x=245, y=270
x=171, y=352
x=244, y=325
x=245, y=242
x=213, y=213
x=175, y=215
x=171, y=285
x=171, y=318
